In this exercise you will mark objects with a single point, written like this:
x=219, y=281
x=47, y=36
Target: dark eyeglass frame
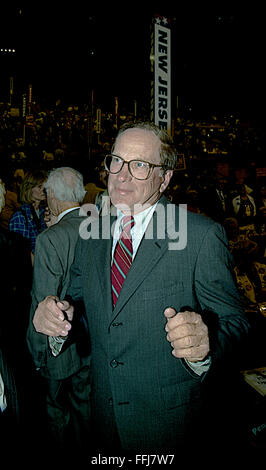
x=128, y=162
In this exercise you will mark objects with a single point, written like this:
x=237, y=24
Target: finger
x=70, y=312
x=63, y=305
x=182, y=331
x=182, y=318
x=61, y=327
x=188, y=342
x=170, y=312
x=51, y=327
x=50, y=306
x=187, y=329
x=48, y=310
x=66, y=327
x=67, y=309
x=57, y=308
x=193, y=354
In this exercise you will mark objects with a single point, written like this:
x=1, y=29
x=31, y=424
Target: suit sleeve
x=218, y=296
x=47, y=280
x=48, y=271
x=74, y=291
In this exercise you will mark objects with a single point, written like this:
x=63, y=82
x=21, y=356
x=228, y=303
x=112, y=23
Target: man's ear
x=166, y=180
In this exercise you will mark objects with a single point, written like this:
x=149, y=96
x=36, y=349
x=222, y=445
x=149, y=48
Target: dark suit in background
x=16, y=366
x=217, y=202
x=10, y=432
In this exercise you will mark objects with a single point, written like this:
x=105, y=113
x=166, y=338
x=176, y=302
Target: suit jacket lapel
x=102, y=249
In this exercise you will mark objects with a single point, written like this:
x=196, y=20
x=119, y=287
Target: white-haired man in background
x=68, y=384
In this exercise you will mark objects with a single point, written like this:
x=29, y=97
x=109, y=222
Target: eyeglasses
x=139, y=169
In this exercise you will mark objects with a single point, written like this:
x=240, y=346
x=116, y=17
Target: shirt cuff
x=56, y=343
x=201, y=366
x=3, y=404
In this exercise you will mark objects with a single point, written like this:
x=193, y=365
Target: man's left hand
x=187, y=334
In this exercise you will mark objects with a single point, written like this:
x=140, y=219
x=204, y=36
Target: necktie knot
x=127, y=223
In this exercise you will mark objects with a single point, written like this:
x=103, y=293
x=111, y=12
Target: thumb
x=170, y=312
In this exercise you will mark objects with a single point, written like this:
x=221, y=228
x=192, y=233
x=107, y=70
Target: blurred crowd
x=74, y=132
x=220, y=173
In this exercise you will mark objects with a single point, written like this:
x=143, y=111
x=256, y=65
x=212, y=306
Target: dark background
x=65, y=50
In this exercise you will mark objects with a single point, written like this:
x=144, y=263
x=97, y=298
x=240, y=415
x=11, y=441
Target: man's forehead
x=138, y=138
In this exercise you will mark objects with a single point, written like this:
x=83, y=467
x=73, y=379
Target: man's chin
x=123, y=207
x=121, y=202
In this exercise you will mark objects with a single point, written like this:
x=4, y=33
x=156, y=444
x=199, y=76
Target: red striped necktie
x=122, y=257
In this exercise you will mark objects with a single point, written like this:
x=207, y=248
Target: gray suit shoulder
x=194, y=219
x=201, y=220
x=69, y=224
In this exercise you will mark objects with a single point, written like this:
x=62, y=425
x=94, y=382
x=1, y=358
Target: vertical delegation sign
x=161, y=73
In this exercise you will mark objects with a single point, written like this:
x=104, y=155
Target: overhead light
x=8, y=50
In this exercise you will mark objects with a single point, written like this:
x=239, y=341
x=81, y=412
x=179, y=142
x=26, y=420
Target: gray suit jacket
x=55, y=248
x=155, y=398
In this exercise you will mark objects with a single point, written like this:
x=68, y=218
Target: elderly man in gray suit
x=67, y=377
x=163, y=309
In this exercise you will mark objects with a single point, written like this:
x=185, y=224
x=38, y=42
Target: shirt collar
x=141, y=221
x=62, y=214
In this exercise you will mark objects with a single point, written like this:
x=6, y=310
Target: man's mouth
x=122, y=191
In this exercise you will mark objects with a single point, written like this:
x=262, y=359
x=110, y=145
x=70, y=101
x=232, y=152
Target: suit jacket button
x=113, y=363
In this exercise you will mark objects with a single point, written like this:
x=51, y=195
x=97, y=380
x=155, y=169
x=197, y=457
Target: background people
x=29, y=220
x=13, y=353
x=67, y=380
x=244, y=207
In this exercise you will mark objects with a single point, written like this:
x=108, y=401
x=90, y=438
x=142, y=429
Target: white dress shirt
x=3, y=403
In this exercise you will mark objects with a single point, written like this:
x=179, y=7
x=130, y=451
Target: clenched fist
x=187, y=334
x=52, y=317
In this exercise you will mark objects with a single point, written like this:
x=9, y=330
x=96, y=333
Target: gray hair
x=66, y=184
x=168, y=152
x=2, y=195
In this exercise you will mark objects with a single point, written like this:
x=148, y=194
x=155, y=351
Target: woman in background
x=29, y=220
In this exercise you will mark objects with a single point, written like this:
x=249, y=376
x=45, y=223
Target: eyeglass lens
x=138, y=169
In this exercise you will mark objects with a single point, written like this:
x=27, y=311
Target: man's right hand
x=49, y=317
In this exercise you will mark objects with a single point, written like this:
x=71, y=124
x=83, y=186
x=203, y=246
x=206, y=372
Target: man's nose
x=124, y=174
